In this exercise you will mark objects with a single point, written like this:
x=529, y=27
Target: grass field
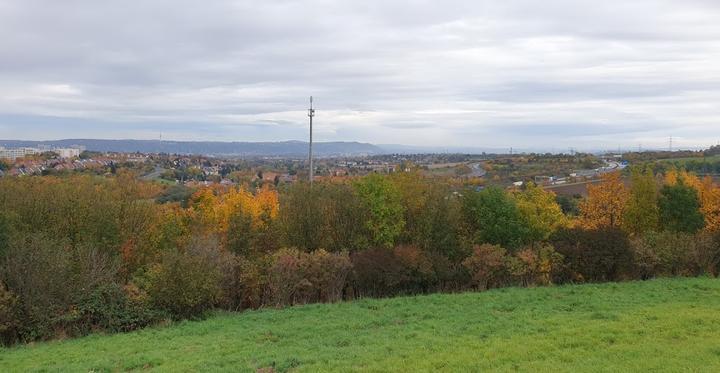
x=660, y=325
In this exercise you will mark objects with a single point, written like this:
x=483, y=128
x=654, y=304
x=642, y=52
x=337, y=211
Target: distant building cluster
x=15, y=153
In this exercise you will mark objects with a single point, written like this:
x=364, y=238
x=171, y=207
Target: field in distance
x=658, y=325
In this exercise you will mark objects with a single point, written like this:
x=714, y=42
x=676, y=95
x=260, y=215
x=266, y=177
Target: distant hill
x=248, y=149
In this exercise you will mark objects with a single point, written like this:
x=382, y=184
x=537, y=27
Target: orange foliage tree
x=605, y=204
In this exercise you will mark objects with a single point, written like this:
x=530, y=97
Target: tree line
x=86, y=253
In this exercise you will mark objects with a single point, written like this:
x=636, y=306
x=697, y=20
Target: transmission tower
x=311, y=114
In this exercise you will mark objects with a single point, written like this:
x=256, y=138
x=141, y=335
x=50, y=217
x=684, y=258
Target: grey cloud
x=419, y=72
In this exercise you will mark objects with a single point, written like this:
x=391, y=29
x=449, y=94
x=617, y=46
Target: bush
x=9, y=323
x=187, y=283
x=418, y=274
x=239, y=282
x=602, y=254
x=285, y=276
x=486, y=266
x=65, y=291
x=707, y=253
x=376, y=273
x=327, y=275
x=535, y=266
x=645, y=256
x=297, y=277
x=252, y=282
x=448, y=275
x=676, y=254
x=4, y=235
x=108, y=308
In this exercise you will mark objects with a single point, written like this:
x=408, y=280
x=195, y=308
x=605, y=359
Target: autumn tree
x=236, y=215
x=710, y=204
x=384, y=203
x=241, y=236
x=486, y=266
x=432, y=214
x=204, y=204
x=605, y=204
x=440, y=224
x=540, y=211
x=326, y=216
x=414, y=191
x=642, y=213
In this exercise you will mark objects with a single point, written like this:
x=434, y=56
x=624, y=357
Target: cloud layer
x=521, y=73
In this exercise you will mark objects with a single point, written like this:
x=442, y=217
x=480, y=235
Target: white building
x=14, y=153
x=67, y=152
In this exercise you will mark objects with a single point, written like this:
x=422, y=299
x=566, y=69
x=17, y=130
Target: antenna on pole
x=311, y=114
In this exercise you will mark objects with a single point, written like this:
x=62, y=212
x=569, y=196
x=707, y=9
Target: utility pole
x=311, y=114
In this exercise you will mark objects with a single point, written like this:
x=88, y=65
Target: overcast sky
x=523, y=73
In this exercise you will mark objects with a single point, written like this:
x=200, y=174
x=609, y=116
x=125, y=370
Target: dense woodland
x=85, y=253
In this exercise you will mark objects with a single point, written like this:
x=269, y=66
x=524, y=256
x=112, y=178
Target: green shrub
x=9, y=323
x=418, y=273
x=676, y=254
x=376, y=273
x=187, y=283
x=108, y=308
x=602, y=254
x=66, y=291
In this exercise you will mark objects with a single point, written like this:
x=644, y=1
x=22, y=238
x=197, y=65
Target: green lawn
x=660, y=325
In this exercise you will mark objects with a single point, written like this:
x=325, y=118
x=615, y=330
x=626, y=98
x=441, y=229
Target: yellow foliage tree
x=671, y=176
x=204, y=207
x=710, y=204
x=267, y=205
x=539, y=208
x=605, y=204
x=214, y=211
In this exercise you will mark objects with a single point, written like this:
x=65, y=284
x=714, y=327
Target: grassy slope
x=660, y=325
